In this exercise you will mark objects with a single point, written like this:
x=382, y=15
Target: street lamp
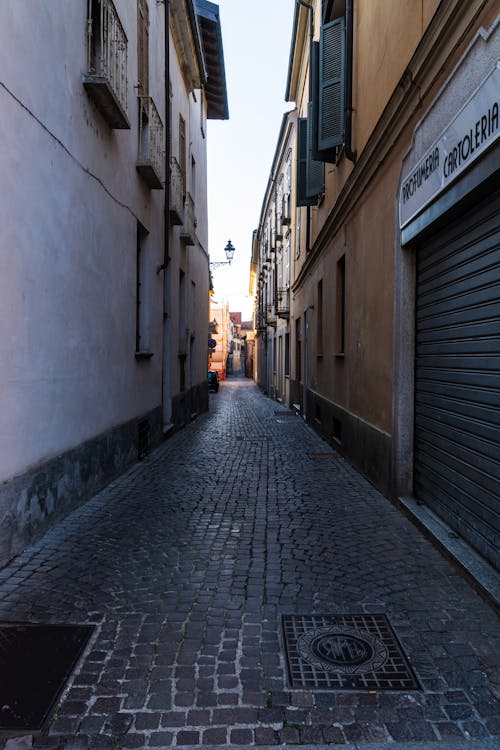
x=229, y=250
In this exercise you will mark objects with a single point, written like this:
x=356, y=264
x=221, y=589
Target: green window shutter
x=302, y=152
x=315, y=170
x=331, y=85
x=329, y=156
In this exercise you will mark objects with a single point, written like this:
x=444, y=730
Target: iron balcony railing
x=283, y=302
x=270, y=315
x=286, y=213
x=151, y=151
x=106, y=78
x=176, y=192
x=188, y=231
x=260, y=321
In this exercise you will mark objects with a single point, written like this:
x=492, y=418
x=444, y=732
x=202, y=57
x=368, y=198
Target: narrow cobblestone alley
x=185, y=565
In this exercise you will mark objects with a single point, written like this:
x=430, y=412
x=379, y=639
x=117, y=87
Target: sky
x=256, y=39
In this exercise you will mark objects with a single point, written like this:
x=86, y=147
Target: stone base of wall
x=188, y=404
x=368, y=448
x=32, y=502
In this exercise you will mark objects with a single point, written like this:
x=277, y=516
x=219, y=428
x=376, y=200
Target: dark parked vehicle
x=213, y=380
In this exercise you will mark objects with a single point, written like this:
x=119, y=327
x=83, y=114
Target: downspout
x=349, y=152
x=166, y=209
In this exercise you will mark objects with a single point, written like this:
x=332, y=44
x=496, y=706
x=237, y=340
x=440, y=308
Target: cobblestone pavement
x=185, y=565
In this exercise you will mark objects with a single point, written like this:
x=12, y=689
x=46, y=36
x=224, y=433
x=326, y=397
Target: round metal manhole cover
x=341, y=649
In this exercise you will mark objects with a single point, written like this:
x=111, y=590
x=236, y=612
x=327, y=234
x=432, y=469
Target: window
x=298, y=351
x=297, y=234
x=310, y=173
x=287, y=355
x=331, y=84
x=182, y=152
x=287, y=260
x=340, y=312
x=142, y=47
x=319, y=320
x=141, y=290
x=192, y=189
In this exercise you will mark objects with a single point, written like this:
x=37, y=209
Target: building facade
x=395, y=284
x=93, y=263
x=222, y=336
x=272, y=267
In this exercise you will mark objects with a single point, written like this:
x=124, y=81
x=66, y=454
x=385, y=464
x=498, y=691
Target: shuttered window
x=310, y=174
x=331, y=85
x=315, y=170
x=302, y=198
x=330, y=155
x=143, y=47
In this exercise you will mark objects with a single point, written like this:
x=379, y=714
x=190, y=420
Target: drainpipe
x=166, y=206
x=349, y=152
x=166, y=212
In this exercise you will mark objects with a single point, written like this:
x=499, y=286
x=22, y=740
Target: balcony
x=286, y=212
x=283, y=303
x=188, y=231
x=106, y=77
x=260, y=321
x=270, y=315
x=279, y=229
x=151, y=152
x=176, y=203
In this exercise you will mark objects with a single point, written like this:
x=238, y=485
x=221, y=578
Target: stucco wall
x=70, y=205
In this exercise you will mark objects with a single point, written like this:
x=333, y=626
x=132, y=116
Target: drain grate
x=283, y=413
x=35, y=662
x=345, y=652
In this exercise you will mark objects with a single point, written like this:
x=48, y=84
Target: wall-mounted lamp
x=229, y=250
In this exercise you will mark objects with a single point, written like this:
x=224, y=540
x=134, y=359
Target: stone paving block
x=186, y=563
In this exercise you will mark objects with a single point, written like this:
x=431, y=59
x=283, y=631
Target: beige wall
x=358, y=213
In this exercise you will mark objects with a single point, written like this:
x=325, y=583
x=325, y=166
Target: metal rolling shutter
x=457, y=381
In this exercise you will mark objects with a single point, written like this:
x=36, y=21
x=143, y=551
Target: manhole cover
x=345, y=652
x=35, y=662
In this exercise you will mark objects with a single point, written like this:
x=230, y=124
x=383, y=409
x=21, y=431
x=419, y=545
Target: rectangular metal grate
x=284, y=413
x=35, y=662
x=345, y=652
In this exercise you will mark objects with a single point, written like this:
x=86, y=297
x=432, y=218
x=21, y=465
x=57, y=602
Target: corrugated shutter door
x=457, y=382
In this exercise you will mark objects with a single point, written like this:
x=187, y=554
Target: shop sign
x=474, y=129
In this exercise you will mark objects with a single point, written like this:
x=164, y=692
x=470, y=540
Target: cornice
x=445, y=33
x=188, y=45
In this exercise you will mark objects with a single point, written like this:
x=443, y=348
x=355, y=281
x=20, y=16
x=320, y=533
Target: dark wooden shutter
x=331, y=85
x=143, y=46
x=302, y=148
x=329, y=156
x=457, y=380
x=315, y=170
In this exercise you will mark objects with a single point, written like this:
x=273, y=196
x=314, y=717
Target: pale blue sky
x=256, y=37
